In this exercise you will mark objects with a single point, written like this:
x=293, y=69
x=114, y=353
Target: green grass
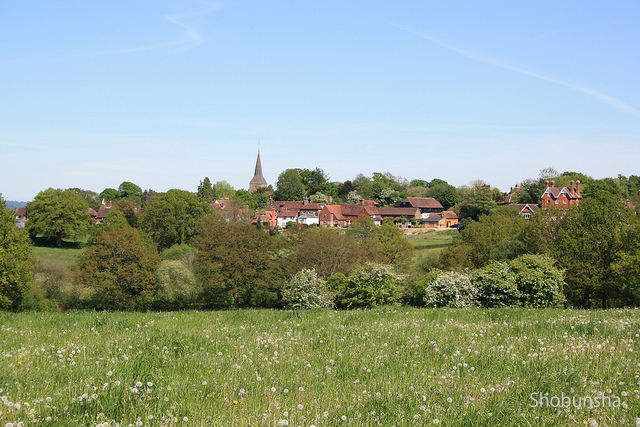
x=389, y=366
x=64, y=256
x=431, y=243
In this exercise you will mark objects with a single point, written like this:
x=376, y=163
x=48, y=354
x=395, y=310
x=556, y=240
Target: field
x=389, y=366
x=64, y=256
x=429, y=244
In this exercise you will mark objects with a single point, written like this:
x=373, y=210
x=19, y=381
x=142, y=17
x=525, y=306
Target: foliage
x=114, y=221
x=593, y=240
x=451, y=289
x=478, y=200
x=57, y=214
x=289, y=186
x=370, y=285
x=446, y=194
x=314, y=181
x=128, y=209
x=118, y=271
x=16, y=261
x=130, y=191
x=326, y=251
x=181, y=252
x=206, y=192
x=307, y=290
x=91, y=197
x=492, y=236
x=497, y=285
x=539, y=282
x=172, y=217
x=177, y=286
x=237, y=258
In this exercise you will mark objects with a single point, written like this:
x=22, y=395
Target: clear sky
x=164, y=93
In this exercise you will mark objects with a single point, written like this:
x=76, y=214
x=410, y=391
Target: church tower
x=258, y=180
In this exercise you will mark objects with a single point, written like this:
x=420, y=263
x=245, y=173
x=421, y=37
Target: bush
x=177, y=286
x=307, y=290
x=369, y=286
x=539, y=281
x=497, y=286
x=451, y=290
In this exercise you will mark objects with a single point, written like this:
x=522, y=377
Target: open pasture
x=389, y=366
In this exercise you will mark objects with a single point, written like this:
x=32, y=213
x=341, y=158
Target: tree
x=57, y=214
x=118, y=271
x=326, y=251
x=91, y=197
x=177, y=286
x=478, y=201
x=237, y=259
x=289, y=186
x=172, y=217
x=224, y=190
x=314, y=181
x=130, y=191
x=206, y=192
x=110, y=194
x=446, y=194
x=128, y=209
x=16, y=261
x=593, y=240
x=115, y=220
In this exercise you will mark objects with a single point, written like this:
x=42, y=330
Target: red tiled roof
x=423, y=202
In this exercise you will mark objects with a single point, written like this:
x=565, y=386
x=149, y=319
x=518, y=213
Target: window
x=557, y=201
x=526, y=215
x=325, y=216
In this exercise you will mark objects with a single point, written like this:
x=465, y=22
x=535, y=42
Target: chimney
x=572, y=185
x=553, y=183
x=578, y=187
x=305, y=201
x=546, y=184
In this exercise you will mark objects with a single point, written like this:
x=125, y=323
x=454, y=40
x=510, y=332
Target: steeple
x=258, y=180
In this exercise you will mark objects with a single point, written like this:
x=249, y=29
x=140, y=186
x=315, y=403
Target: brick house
x=561, y=197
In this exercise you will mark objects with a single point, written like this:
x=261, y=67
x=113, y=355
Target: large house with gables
x=562, y=198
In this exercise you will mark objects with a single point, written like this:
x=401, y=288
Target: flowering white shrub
x=451, y=290
x=307, y=290
x=371, y=285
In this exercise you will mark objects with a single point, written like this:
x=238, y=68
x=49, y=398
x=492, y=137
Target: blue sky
x=164, y=93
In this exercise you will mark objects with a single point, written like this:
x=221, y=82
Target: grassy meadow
x=389, y=366
x=430, y=244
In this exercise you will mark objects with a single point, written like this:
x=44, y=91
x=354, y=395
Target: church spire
x=258, y=180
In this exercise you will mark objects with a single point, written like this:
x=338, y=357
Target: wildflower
x=149, y=384
x=138, y=384
x=436, y=421
x=109, y=373
x=185, y=419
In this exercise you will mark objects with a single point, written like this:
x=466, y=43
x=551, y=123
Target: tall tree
x=57, y=214
x=172, y=217
x=289, y=186
x=16, y=261
x=237, y=258
x=446, y=194
x=130, y=191
x=118, y=271
x=593, y=241
x=206, y=192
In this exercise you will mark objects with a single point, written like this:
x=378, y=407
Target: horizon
x=165, y=94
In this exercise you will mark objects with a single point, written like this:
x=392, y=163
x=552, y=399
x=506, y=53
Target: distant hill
x=12, y=204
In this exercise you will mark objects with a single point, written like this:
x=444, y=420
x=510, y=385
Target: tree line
x=178, y=253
